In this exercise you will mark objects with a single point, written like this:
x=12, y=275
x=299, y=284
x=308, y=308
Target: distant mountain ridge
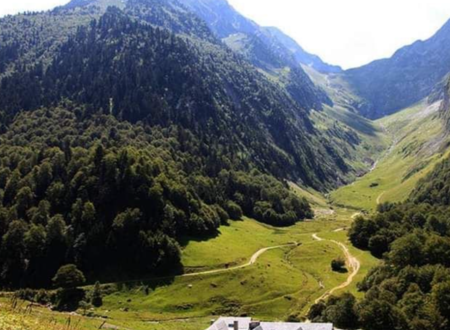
x=225, y=22
x=409, y=76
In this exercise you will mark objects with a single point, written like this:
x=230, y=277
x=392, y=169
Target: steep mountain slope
x=407, y=77
x=126, y=129
x=283, y=61
x=245, y=97
x=341, y=118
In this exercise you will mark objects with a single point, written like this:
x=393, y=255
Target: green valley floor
x=248, y=269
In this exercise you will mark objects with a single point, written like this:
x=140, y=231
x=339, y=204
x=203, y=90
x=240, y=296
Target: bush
x=234, y=210
x=43, y=297
x=69, y=277
x=338, y=264
x=68, y=300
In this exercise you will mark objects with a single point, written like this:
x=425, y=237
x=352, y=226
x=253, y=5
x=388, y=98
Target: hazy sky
x=15, y=6
x=344, y=32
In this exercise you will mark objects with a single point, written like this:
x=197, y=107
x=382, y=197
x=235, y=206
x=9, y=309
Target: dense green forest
x=221, y=94
x=101, y=193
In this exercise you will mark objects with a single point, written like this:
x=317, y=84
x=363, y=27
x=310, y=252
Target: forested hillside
x=159, y=146
x=125, y=130
x=285, y=62
x=236, y=98
x=72, y=182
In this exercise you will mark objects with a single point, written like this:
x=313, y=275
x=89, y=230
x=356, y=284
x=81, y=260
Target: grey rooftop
x=246, y=323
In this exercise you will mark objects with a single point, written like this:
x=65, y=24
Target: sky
x=10, y=7
x=349, y=33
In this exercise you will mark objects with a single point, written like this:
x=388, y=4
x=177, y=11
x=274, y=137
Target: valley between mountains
x=166, y=162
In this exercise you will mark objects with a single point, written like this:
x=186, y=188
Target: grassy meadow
x=282, y=283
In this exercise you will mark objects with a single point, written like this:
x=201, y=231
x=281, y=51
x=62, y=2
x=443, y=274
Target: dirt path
x=354, y=215
x=379, y=198
x=252, y=261
x=352, y=262
x=317, y=238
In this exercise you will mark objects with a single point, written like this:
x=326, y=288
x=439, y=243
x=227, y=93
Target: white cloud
x=10, y=7
x=350, y=32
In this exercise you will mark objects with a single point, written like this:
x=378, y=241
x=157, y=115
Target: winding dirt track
x=352, y=262
x=252, y=261
x=379, y=198
x=354, y=215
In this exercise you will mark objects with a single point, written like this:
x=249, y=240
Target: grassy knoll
x=416, y=140
x=315, y=258
x=247, y=291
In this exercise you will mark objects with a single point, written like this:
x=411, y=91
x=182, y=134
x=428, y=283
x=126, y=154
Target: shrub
x=338, y=264
x=69, y=277
x=234, y=210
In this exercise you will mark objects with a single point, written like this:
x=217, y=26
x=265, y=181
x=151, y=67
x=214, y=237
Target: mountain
x=407, y=77
x=445, y=107
x=94, y=82
x=228, y=24
x=127, y=128
x=280, y=59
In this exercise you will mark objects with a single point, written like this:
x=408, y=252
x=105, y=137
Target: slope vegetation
x=418, y=140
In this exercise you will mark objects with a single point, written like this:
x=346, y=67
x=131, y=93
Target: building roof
x=227, y=323
x=294, y=326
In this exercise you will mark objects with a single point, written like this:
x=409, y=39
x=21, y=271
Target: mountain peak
x=100, y=3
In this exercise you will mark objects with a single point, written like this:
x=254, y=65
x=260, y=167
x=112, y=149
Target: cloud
x=11, y=7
